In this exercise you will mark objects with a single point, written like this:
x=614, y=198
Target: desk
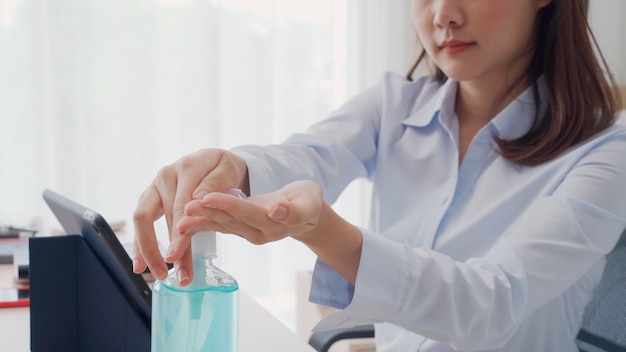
x=259, y=331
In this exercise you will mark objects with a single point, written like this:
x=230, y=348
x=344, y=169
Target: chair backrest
x=604, y=321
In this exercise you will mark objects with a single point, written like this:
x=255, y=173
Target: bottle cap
x=203, y=243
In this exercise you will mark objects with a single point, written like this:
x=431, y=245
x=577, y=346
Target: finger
x=139, y=265
x=252, y=211
x=184, y=268
x=300, y=205
x=230, y=171
x=148, y=210
x=220, y=221
x=295, y=213
x=196, y=169
x=179, y=251
x=179, y=241
x=169, y=190
x=165, y=185
x=197, y=217
x=280, y=212
x=246, y=218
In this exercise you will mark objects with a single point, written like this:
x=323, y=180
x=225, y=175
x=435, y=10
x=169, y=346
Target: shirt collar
x=427, y=106
x=511, y=123
x=518, y=117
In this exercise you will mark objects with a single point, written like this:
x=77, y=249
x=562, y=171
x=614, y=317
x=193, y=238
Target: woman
x=498, y=186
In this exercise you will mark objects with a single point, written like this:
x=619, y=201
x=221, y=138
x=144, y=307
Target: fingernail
x=170, y=252
x=279, y=212
x=200, y=195
x=237, y=193
x=135, y=265
x=159, y=273
x=182, y=275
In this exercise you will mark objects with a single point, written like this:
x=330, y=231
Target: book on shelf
x=10, y=246
x=7, y=232
x=13, y=240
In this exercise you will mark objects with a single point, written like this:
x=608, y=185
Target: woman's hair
x=581, y=92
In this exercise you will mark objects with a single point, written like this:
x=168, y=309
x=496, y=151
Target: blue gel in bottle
x=202, y=316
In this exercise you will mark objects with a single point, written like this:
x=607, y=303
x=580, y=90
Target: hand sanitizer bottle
x=202, y=316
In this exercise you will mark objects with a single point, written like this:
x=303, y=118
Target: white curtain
x=97, y=95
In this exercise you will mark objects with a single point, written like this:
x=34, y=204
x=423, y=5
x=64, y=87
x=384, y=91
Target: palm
x=258, y=219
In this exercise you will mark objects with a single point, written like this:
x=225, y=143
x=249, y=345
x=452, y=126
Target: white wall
x=607, y=19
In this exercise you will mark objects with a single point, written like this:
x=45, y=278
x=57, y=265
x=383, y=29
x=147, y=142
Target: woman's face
x=478, y=39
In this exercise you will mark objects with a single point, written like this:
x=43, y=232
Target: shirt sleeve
x=329, y=288
x=479, y=303
x=333, y=152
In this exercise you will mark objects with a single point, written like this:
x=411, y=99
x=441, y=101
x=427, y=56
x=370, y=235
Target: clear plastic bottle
x=202, y=316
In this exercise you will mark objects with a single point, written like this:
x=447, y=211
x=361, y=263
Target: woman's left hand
x=294, y=210
x=297, y=210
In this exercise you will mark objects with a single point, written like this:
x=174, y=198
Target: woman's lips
x=455, y=46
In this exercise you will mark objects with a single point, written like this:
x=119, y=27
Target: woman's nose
x=447, y=13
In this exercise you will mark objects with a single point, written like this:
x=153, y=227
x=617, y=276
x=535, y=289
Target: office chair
x=604, y=320
x=321, y=341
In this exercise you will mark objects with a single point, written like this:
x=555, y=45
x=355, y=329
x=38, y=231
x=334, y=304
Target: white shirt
x=485, y=256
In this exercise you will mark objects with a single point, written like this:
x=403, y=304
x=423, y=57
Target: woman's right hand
x=191, y=177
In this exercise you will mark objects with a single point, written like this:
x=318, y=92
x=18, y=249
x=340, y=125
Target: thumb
x=278, y=212
x=292, y=215
x=229, y=171
x=215, y=181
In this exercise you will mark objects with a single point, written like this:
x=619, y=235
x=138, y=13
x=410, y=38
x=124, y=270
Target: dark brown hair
x=581, y=92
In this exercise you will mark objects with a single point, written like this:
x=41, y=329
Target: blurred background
x=97, y=95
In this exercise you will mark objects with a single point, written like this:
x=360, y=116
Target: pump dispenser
x=202, y=316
